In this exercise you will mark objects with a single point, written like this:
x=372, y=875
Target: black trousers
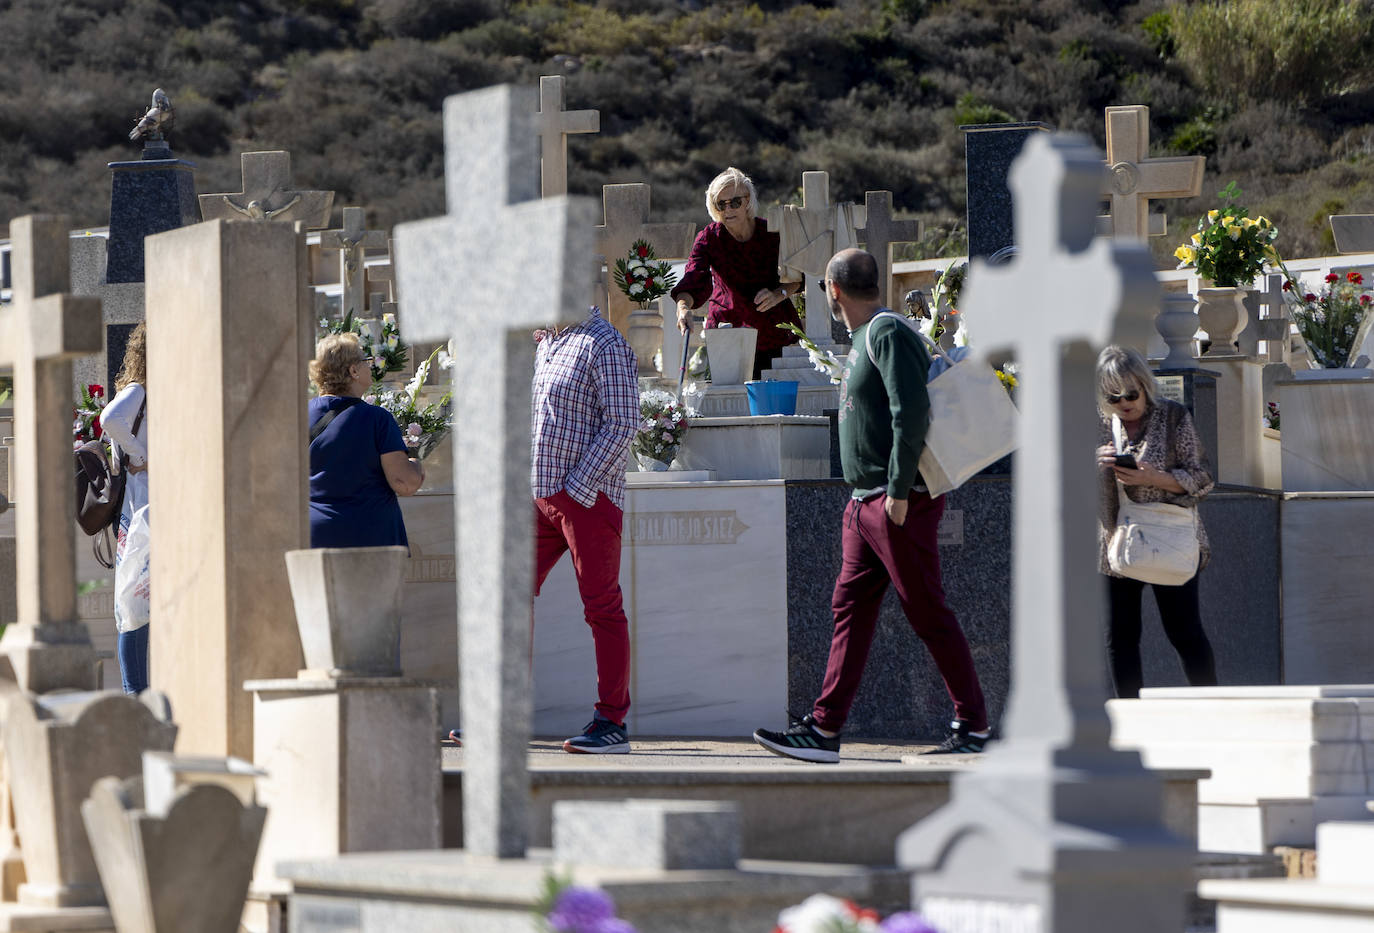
x=1182, y=621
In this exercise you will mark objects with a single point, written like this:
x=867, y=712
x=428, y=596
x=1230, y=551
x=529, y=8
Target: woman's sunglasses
x=731, y=203
x=1124, y=397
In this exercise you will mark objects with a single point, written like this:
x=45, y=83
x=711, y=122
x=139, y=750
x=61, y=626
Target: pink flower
x=370, y=399
x=668, y=436
x=414, y=429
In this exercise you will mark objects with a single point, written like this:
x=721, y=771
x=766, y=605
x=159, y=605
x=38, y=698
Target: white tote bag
x=972, y=418
x=1155, y=542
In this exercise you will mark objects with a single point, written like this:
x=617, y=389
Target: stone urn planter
x=1221, y=313
x=348, y=609
x=731, y=353
x=1177, y=323
x=644, y=331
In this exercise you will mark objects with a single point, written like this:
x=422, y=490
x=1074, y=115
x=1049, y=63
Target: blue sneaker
x=601, y=737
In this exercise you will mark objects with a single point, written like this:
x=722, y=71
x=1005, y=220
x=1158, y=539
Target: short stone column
x=369, y=779
x=175, y=847
x=57, y=746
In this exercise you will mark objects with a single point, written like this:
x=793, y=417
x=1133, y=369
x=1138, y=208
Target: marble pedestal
x=1327, y=426
x=733, y=401
x=1240, y=428
x=352, y=766
x=765, y=447
x=1283, y=759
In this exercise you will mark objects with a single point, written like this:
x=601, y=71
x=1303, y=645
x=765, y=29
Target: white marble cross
x=554, y=125
x=352, y=241
x=41, y=331
x=1059, y=807
x=625, y=210
x=267, y=195
x=500, y=264
x=880, y=232
x=1272, y=327
x=1133, y=179
x=816, y=217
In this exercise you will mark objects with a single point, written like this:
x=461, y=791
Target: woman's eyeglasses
x=1130, y=396
x=731, y=203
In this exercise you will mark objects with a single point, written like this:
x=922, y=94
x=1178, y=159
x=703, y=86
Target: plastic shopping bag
x=132, y=606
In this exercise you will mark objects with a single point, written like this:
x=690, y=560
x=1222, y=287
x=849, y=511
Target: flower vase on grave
x=1221, y=313
x=1177, y=323
x=731, y=352
x=644, y=331
x=648, y=464
x=436, y=452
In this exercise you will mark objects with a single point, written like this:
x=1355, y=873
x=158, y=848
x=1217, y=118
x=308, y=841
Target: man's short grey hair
x=855, y=273
x=730, y=178
x=1121, y=370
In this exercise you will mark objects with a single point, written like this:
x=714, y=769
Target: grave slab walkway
x=876, y=791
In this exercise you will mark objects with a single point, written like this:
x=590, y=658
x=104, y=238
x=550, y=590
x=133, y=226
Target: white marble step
x=1298, y=906
x=1241, y=721
x=1345, y=853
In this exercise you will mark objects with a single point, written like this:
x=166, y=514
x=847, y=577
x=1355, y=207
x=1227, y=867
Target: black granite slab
x=902, y=695
x=989, y=150
x=146, y=197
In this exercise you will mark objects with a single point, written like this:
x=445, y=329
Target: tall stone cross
x=625, y=211
x=267, y=195
x=498, y=265
x=41, y=331
x=352, y=241
x=880, y=232
x=1031, y=836
x=816, y=217
x=554, y=125
x=1133, y=179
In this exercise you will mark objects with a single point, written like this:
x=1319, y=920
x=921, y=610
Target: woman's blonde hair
x=135, y=365
x=1121, y=369
x=334, y=357
x=730, y=178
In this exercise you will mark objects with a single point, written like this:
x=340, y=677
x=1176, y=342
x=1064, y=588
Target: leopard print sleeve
x=1187, y=460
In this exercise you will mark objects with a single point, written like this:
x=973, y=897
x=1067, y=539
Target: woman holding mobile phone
x=1160, y=459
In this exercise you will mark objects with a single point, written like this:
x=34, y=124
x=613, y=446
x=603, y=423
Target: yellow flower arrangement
x=1230, y=247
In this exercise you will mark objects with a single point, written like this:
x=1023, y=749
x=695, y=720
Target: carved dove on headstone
x=159, y=117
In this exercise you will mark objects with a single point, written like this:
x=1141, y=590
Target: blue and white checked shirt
x=585, y=411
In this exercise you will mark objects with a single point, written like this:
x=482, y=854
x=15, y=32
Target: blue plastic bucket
x=767, y=397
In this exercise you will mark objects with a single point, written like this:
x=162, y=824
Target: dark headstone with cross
x=500, y=264
x=41, y=331
x=268, y=195
x=1055, y=829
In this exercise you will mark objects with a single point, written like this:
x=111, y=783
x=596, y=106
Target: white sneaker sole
x=620, y=748
x=817, y=755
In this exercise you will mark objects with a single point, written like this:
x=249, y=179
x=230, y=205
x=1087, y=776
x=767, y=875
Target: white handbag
x=1155, y=542
x=972, y=418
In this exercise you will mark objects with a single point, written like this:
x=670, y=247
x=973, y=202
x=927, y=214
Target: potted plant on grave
x=663, y=422
x=644, y=278
x=380, y=340
x=1229, y=250
x=1334, y=323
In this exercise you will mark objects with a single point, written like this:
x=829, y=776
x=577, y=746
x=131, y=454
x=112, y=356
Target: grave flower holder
x=1221, y=313
x=731, y=352
x=348, y=609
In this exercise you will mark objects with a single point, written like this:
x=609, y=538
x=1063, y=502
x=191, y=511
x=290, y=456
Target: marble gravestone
x=453, y=274
x=989, y=149
x=268, y=195
x=239, y=294
x=40, y=332
x=1133, y=179
x=825, y=228
x=1054, y=831
x=553, y=126
x=352, y=241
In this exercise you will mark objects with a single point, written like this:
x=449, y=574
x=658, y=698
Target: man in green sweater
x=889, y=532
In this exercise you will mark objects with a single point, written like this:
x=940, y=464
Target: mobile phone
x=1127, y=461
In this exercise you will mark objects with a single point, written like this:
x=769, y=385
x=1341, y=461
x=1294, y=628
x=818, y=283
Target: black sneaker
x=601, y=737
x=959, y=742
x=801, y=741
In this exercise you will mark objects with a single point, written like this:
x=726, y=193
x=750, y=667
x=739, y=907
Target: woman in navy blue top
x=358, y=462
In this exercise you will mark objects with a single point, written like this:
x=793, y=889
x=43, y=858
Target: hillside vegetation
x=1276, y=93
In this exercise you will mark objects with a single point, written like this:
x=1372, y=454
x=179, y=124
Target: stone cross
x=1271, y=327
x=498, y=265
x=41, y=331
x=626, y=219
x=554, y=125
x=880, y=232
x=267, y=195
x=380, y=272
x=1133, y=179
x=1033, y=832
x=816, y=217
x=352, y=241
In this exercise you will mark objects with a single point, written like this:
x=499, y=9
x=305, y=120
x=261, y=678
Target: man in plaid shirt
x=585, y=412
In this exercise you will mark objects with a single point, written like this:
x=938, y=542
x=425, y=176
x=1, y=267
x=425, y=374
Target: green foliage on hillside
x=1276, y=93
